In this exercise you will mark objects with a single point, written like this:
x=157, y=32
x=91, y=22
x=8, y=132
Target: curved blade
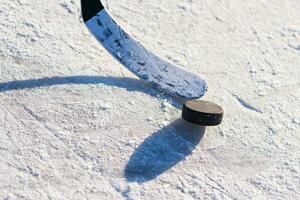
x=143, y=63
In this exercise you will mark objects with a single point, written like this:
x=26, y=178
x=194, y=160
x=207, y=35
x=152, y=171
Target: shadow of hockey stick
x=130, y=84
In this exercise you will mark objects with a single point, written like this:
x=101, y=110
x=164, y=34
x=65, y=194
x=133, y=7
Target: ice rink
x=75, y=124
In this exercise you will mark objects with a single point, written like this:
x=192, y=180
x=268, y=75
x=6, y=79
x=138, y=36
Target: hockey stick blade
x=143, y=63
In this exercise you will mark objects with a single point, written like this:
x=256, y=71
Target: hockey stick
x=143, y=63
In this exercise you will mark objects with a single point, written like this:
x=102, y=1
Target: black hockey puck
x=203, y=113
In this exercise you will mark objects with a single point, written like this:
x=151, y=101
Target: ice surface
x=76, y=124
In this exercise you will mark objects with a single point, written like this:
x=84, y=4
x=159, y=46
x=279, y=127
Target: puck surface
x=203, y=113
